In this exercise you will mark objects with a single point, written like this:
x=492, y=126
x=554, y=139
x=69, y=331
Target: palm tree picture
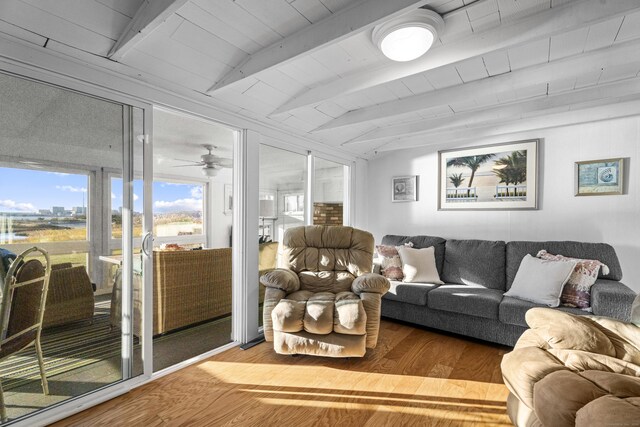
x=471, y=162
x=499, y=176
x=512, y=169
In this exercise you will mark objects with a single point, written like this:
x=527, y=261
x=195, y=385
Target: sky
x=25, y=190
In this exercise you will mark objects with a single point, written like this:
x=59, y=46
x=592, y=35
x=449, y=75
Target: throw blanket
x=6, y=258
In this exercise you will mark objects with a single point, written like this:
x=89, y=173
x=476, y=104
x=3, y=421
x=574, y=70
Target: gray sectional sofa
x=477, y=273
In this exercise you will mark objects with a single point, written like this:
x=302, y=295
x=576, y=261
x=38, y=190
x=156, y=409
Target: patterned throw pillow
x=390, y=264
x=577, y=291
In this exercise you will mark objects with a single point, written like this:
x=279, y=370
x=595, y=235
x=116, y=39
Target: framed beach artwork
x=491, y=177
x=404, y=188
x=599, y=177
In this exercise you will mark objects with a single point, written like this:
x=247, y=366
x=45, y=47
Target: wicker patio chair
x=23, y=305
x=70, y=297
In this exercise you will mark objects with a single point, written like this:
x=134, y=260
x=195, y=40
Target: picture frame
x=498, y=177
x=228, y=199
x=404, y=188
x=604, y=177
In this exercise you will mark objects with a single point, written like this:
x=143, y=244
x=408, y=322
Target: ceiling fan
x=210, y=163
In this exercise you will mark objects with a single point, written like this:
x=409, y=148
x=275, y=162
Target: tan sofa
x=188, y=287
x=324, y=301
x=574, y=370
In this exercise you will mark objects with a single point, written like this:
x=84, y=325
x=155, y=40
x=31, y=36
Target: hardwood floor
x=414, y=377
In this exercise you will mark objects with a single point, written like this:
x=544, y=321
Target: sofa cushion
x=512, y=310
x=475, y=262
x=471, y=300
x=411, y=293
x=418, y=243
x=603, y=252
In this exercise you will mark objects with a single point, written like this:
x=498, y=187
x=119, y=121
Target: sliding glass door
x=58, y=149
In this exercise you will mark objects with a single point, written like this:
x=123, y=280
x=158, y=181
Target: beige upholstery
x=324, y=300
x=574, y=370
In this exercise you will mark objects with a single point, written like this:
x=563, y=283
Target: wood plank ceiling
x=309, y=66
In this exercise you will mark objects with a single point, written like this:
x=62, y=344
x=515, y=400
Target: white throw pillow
x=419, y=265
x=540, y=281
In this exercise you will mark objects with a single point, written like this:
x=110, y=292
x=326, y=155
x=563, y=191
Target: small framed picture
x=404, y=188
x=228, y=199
x=599, y=177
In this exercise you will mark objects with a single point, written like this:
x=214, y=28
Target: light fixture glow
x=210, y=172
x=406, y=44
x=409, y=36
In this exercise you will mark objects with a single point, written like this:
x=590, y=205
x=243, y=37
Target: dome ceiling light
x=409, y=36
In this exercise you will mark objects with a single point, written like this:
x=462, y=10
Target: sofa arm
x=610, y=298
x=281, y=278
x=372, y=283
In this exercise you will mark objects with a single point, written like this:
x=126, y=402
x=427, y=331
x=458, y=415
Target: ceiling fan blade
x=225, y=163
x=182, y=166
x=190, y=161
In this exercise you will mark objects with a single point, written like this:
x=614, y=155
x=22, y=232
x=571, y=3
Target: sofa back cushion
x=327, y=258
x=602, y=252
x=420, y=242
x=478, y=262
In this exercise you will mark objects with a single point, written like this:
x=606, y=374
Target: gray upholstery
x=411, y=293
x=473, y=301
x=420, y=242
x=600, y=251
x=512, y=311
x=480, y=310
x=612, y=299
x=477, y=262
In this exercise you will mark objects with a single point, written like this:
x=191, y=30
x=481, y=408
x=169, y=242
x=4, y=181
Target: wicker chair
x=24, y=295
x=188, y=287
x=70, y=296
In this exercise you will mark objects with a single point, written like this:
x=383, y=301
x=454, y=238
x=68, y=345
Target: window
x=294, y=203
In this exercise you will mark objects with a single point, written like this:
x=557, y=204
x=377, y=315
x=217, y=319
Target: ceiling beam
x=558, y=20
x=611, y=110
x=150, y=15
x=332, y=29
x=540, y=105
x=619, y=54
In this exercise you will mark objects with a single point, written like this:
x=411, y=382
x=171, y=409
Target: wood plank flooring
x=414, y=377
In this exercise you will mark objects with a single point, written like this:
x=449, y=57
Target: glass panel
x=283, y=176
x=55, y=146
x=192, y=186
x=328, y=192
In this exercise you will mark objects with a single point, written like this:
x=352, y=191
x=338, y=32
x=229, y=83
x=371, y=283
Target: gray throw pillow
x=635, y=311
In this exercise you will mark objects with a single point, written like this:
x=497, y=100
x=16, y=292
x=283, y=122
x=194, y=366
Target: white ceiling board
x=481, y=9
x=208, y=44
x=516, y=9
x=218, y=27
x=417, y=83
x=281, y=81
x=312, y=116
x=445, y=6
x=89, y=14
x=592, y=61
x=47, y=25
x=456, y=26
x=244, y=22
x=589, y=78
x=398, y=88
x=497, y=63
x=443, y=77
x=529, y=54
x=380, y=94
x=336, y=59
x=269, y=95
x=331, y=109
x=630, y=28
x=612, y=74
x=307, y=71
x=472, y=69
x=486, y=22
x=21, y=33
x=532, y=91
x=278, y=15
x=562, y=85
x=568, y=44
x=312, y=10
x=126, y=7
x=603, y=34
x=517, y=33
x=311, y=38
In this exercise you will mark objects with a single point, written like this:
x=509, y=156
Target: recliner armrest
x=281, y=278
x=372, y=283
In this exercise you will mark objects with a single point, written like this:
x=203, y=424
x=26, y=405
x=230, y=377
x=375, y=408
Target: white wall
x=561, y=215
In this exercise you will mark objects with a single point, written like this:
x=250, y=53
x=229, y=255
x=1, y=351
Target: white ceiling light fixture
x=409, y=36
x=210, y=171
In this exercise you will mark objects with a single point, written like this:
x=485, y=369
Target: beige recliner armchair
x=324, y=300
x=572, y=370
